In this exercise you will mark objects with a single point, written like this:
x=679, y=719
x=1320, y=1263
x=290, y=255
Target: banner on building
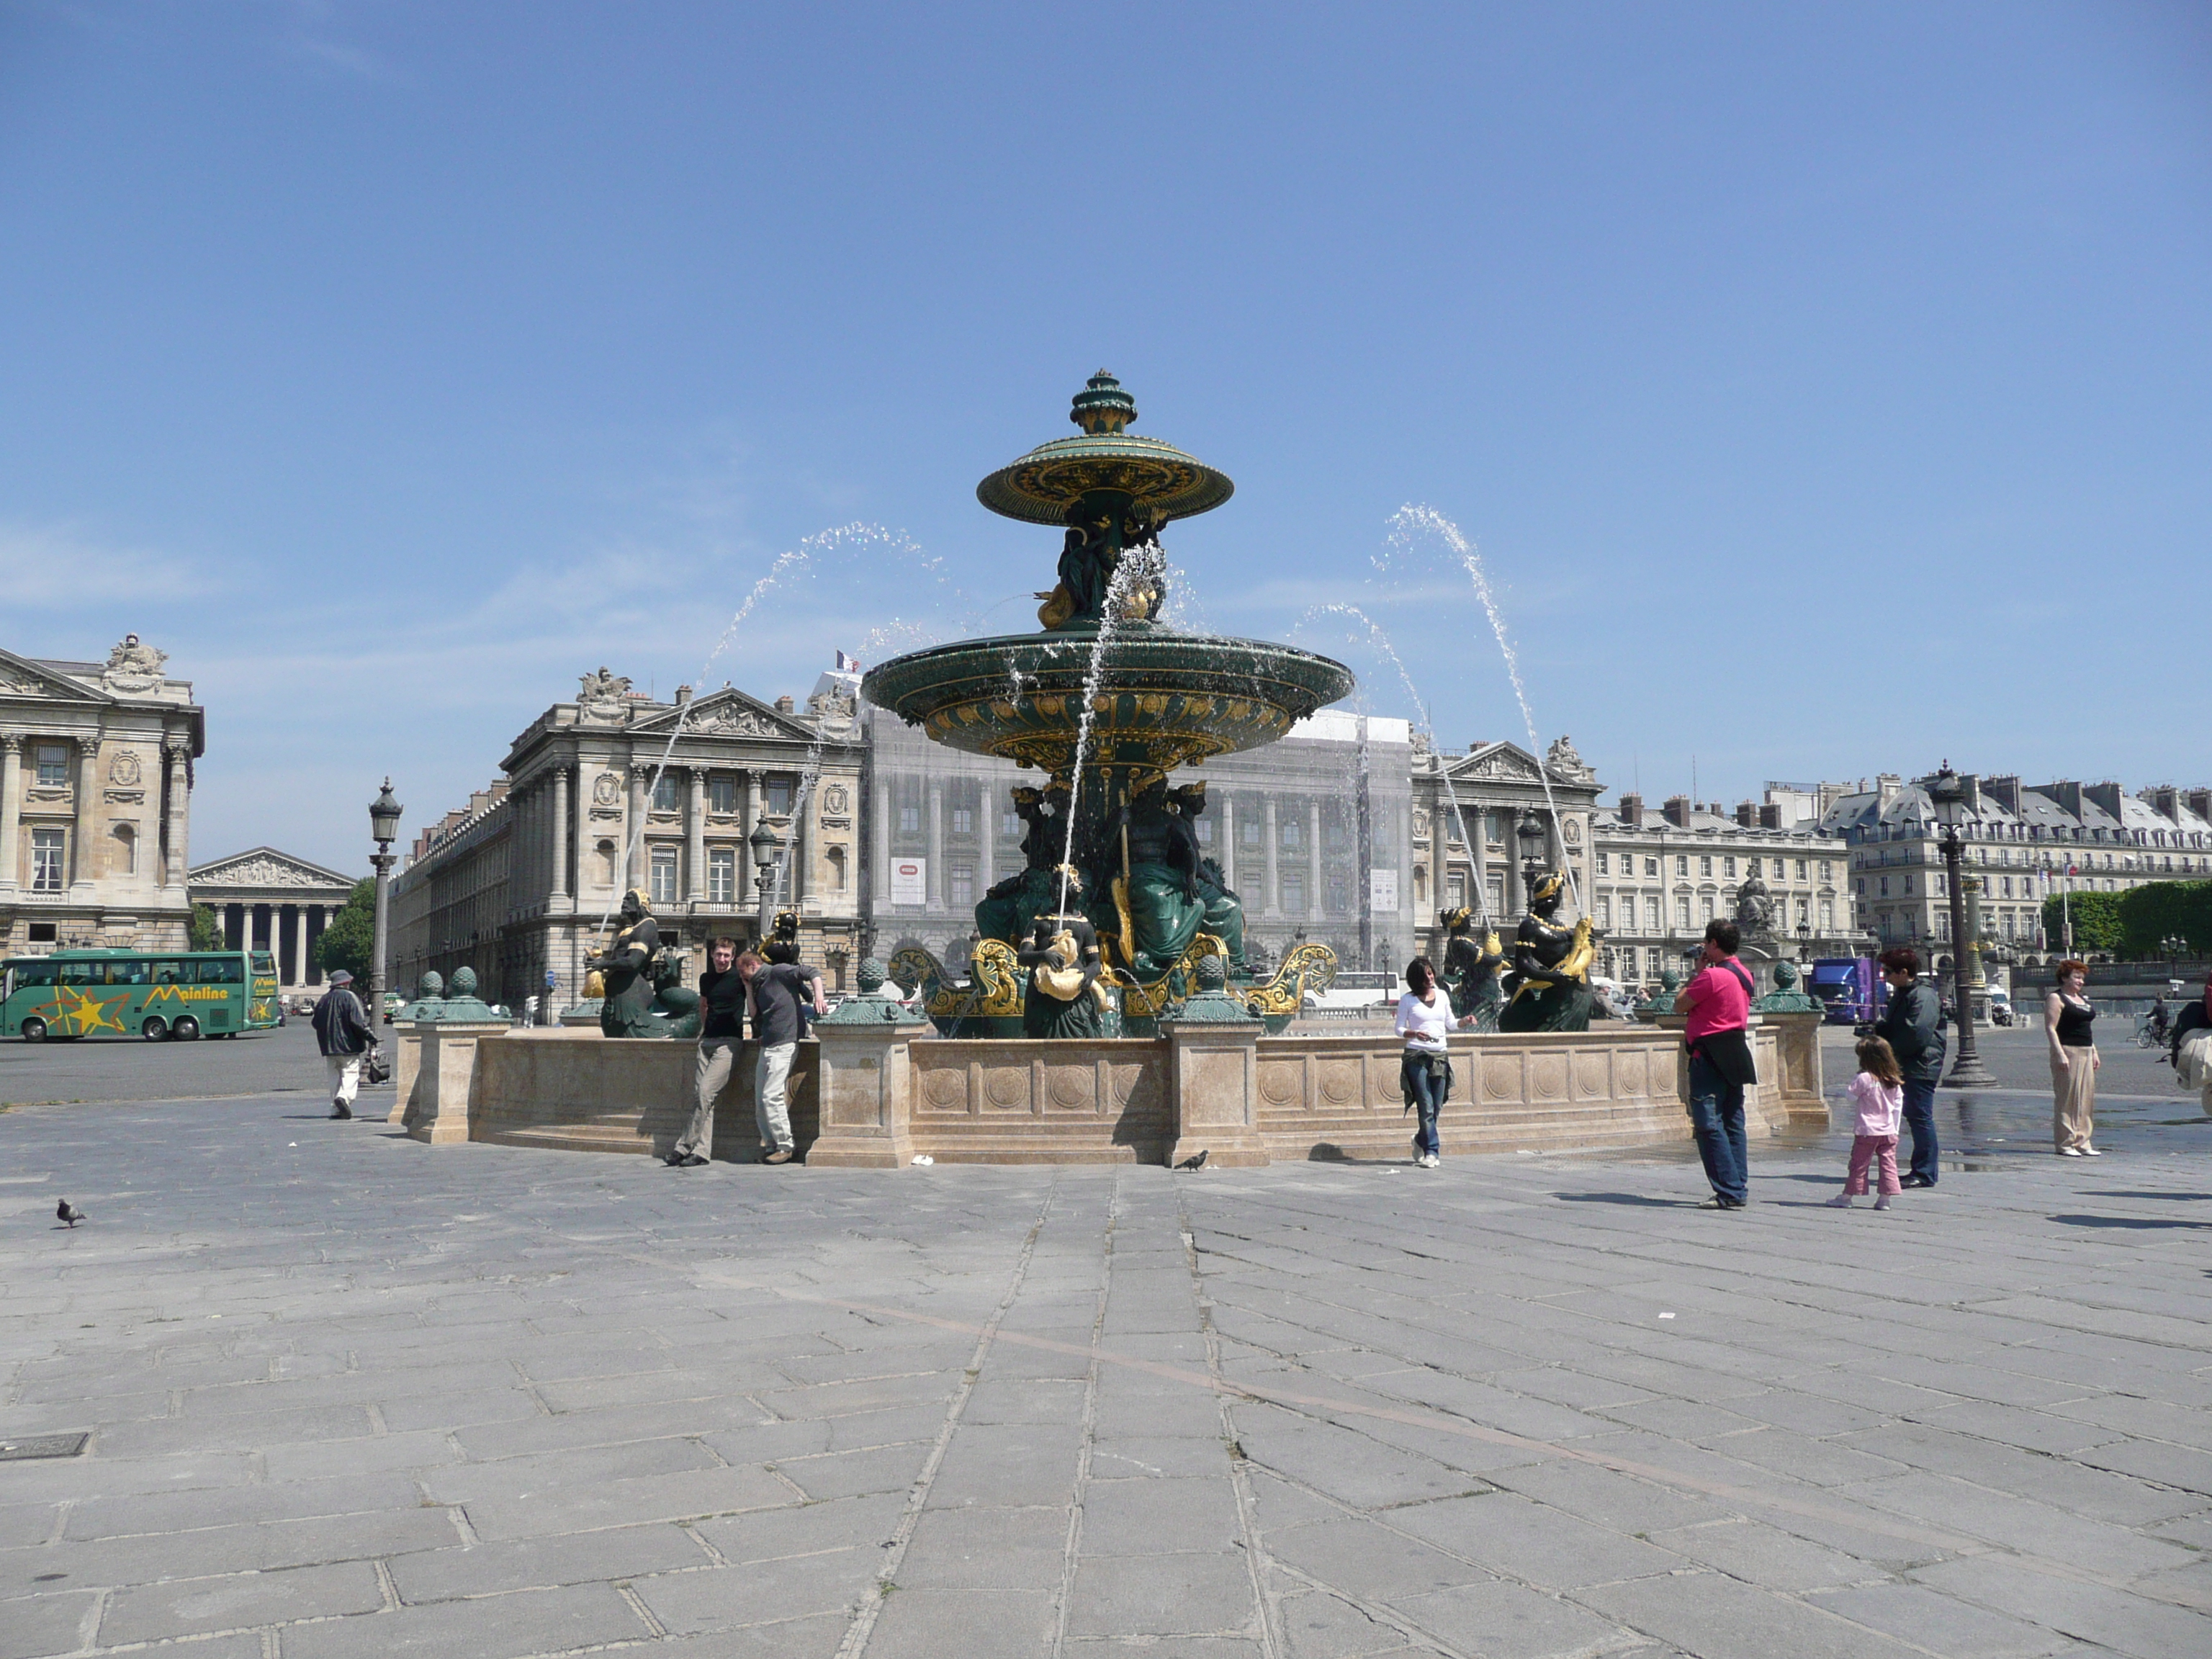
x=909, y=881
x=1382, y=892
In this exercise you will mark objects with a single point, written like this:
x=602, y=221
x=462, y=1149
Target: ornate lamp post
x=1948, y=796
x=384, y=826
x=1534, y=842
x=767, y=848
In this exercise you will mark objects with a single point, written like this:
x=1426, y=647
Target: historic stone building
x=2020, y=844
x=1660, y=877
x=1312, y=833
x=95, y=801
x=1467, y=809
x=614, y=791
x=265, y=900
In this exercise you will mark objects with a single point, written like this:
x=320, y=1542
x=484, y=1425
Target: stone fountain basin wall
x=1134, y=1100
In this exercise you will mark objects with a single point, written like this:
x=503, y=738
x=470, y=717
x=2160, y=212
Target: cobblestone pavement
x=352, y=1395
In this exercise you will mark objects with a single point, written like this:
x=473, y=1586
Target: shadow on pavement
x=2124, y=1221
x=1622, y=1198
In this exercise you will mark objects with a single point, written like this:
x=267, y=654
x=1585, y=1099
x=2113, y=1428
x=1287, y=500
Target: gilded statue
x=1064, y=998
x=1098, y=541
x=1548, y=988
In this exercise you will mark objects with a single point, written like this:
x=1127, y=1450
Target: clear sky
x=1827, y=388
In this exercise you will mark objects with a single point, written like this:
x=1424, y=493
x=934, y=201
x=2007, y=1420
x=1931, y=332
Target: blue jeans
x=1426, y=1090
x=1716, y=1120
x=1920, y=1118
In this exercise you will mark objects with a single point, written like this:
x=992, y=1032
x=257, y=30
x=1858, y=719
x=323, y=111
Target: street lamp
x=767, y=848
x=1530, y=833
x=384, y=828
x=1948, y=795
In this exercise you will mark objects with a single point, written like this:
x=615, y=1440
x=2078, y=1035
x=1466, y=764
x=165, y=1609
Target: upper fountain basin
x=1042, y=486
x=1163, y=699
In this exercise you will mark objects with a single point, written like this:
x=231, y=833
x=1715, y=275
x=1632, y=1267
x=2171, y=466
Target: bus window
x=264, y=962
x=168, y=973
x=32, y=972
x=222, y=970
x=77, y=973
x=127, y=973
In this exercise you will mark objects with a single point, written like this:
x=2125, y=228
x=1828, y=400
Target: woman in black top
x=2067, y=1016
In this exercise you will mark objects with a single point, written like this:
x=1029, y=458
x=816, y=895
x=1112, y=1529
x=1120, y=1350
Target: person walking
x=343, y=1034
x=776, y=993
x=721, y=1029
x=1425, y=1019
x=1913, y=1026
x=2067, y=1016
x=1717, y=1001
x=2189, y=1048
x=1878, y=1090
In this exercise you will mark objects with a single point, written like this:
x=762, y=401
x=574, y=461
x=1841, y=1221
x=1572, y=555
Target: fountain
x=1107, y=700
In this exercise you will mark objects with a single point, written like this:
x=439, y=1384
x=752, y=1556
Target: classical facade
x=95, y=801
x=614, y=791
x=2022, y=845
x=1312, y=832
x=1658, y=878
x=265, y=900
x=1466, y=809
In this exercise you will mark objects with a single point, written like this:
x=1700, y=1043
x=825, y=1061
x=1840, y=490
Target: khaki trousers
x=709, y=1077
x=345, y=1077
x=770, y=1076
x=2074, y=1099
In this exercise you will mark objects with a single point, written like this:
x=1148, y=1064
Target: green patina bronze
x=1161, y=699
x=1785, y=998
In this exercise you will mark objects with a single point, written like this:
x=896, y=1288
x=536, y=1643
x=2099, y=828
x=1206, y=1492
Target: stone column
x=756, y=800
x=988, y=822
x=11, y=806
x=695, y=838
x=1314, y=889
x=1274, y=896
x=937, y=846
x=560, y=882
x=633, y=830
x=881, y=887
x=582, y=830
x=1227, y=841
x=84, y=854
x=317, y=918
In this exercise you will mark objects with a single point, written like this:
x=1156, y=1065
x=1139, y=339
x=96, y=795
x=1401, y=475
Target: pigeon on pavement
x=1195, y=1161
x=64, y=1212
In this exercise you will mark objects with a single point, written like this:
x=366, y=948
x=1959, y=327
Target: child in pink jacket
x=1877, y=1092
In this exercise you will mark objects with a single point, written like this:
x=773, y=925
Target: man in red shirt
x=1717, y=1000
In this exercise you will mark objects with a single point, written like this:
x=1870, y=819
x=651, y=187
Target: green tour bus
x=154, y=994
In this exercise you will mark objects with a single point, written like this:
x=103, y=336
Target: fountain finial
x=1101, y=408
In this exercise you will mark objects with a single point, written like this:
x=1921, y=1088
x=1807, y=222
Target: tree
x=349, y=940
x=2160, y=910
x=2096, y=917
x=204, y=931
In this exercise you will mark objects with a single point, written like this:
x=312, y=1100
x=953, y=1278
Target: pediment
x=265, y=866
x=1499, y=763
x=729, y=714
x=21, y=678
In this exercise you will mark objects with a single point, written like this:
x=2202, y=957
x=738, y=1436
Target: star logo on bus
x=88, y=1014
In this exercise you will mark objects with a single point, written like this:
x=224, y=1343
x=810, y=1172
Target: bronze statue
x=1225, y=907
x=1005, y=911
x=1157, y=901
x=1064, y=998
x=624, y=968
x=1091, y=554
x=1471, y=969
x=1549, y=989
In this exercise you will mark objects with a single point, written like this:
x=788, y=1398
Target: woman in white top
x=1424, y=1020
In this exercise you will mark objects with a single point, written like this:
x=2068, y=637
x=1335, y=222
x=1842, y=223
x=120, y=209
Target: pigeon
x=1195, y=1161
x=64, y=1212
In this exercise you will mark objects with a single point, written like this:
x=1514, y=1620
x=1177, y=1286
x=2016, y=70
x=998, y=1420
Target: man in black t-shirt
x=779, y=991
x=721, y=1027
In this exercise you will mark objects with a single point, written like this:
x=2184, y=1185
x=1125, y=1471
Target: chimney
x=2005, y=791
x=1972, y=783
x=1770, y=818
x=1632, y=810
x=683, y=695
x=2106, y=795
x=2066, y=792
x=1677, y=810
x=784, y=704
x=1888, y=786
x=2200, y=802
x=1746, y=815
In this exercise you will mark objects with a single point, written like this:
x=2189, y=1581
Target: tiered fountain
x=1107, y=700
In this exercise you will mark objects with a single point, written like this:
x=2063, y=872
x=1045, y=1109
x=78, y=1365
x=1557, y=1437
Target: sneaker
x=2069, y=1152
x=340, y=1109
x=781, y=1154
x=1841, y=1201
x=1716, y=1202
x=1882, y=1203
x=2090, y=1152
x=1915, y=1181
x=1431, y=1161
x=690, y=1161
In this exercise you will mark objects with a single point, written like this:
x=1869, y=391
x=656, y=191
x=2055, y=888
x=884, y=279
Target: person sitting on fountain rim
x=1064, y=998
x=1718, y=1003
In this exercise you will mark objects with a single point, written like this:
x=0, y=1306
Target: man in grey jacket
x=344, y=1035
x=1912, y=1025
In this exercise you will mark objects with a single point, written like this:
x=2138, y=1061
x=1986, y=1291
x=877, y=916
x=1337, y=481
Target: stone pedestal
x=1798, y=1069
x=445, y=1084
x=865, y=1091
x=1762, y=1111
x=1213, y=1089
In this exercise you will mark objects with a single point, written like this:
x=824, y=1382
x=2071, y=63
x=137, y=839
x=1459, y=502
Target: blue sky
x=1828, y=389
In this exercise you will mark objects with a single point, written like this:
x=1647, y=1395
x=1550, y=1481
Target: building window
x=1252, y=832
x=1728, y=868
x=722, y=875
x=1827, y=870
x=1650, y=915
x=1010, y=825
x=126, y=850
x=664, y=875
x=1289, y=828
x=963, y=886
x=53, y=766
x=663, y=792
x=1604, y=911
x=1204, y=828
x=1801, y=870
x=1682, y=914
x=721, y=795
x=1650, y=868
x=1884, y=886
x=1682, y=866
x=1294, y=891
x=909, y=820
x=1455, y=887
x=1705, y=867
x=1340, y=896
x=963, y=821
x=47, y=847
x=1602, y=864
x=1827, y=915
x=1705, y=908
x=778, y=797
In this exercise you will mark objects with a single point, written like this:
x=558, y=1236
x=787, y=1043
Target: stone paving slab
x=349, y=1394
